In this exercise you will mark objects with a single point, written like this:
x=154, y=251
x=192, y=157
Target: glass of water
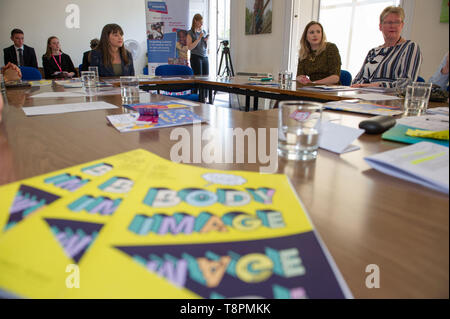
x=2, y=84
x=416, y=98
x=285, y=79
x=299, y=126
x=400, y=85
x=129, y=89
x=95, y=70
x=89, y=82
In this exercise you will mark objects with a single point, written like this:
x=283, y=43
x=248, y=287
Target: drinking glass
x=299, y=126
x=129, y=89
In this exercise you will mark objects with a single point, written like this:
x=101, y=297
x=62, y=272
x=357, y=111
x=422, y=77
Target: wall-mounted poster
x=258, y=16
x=444, y=11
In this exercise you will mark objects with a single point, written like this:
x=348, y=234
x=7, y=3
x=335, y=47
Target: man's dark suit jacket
x=29, y=56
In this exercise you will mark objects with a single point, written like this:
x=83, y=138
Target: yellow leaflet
x=177, y=204
x=35, y=254
x=438, y=135
x=21, y=199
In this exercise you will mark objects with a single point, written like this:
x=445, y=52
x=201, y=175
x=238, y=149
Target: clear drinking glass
x=299, y=127
x=285, y=79
x=89, y=82
x=400, y=85
x=95, y=70
x=129, y=89
x=416, y=98
x=2, y=84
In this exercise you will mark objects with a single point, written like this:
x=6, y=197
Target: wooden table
x=243, y=86
x=364, y=217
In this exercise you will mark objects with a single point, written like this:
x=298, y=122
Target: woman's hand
x=13, y=70
x=303, y=79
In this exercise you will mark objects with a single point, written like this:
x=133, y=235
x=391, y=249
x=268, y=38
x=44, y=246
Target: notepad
x=363, y=107
x=423, y=163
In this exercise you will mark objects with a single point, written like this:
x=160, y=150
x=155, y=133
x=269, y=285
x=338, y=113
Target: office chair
x=345, y=78
x=30, y=74
x=172, y=70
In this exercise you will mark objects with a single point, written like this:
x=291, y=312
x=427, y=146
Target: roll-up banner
x=167, y=25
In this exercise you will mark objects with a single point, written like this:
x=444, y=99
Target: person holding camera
x=197, y=43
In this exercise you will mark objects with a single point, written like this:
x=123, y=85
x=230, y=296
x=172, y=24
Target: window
x=353, y=26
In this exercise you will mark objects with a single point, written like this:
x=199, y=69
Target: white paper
x=66, y=108
x=423, y=163
x=375, y=97
x=434, y=122
x=377, y=89
x=329, y=88
x=338, y=138
x=439, y=110
x=59, y=94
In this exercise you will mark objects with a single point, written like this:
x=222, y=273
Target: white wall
x=430, y=34
x=264, y=53
x=40, y=19
x=261, y=52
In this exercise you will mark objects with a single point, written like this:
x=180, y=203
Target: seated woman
x=396, y=58
x=110, y=56
x=319, y=60
x=440, y=77
x=57, y=64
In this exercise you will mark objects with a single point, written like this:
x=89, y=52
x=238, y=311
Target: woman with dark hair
x=319, y=60
x=57, y=64
x=197, y=42
x=110, y=56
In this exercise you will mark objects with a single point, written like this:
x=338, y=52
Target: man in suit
x=19, y=53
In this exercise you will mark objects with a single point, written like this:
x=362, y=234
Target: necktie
x=21, y=63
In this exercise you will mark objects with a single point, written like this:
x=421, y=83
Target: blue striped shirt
x=386, y=65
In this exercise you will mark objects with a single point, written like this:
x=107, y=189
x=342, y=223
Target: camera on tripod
x=228, y=69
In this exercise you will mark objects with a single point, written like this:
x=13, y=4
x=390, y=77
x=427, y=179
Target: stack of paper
x=423, y=163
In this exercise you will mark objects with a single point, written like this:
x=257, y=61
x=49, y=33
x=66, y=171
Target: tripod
x=228, y=70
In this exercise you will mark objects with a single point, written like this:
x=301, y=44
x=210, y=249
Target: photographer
x=197, y=42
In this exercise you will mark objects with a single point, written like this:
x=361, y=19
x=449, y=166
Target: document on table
x=66, y=108
x=338, y=138
x=374, y=97
x=423, y=163
x=59, y=94
x=434, y=122
x=329, y=88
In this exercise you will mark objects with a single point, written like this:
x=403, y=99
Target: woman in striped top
x=396, y=58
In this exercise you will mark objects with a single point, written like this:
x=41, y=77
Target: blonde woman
x=396, y=58
x=56, y=63
x=319, y=60
x=197, y=42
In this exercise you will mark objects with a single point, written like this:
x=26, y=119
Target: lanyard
x=59, y=65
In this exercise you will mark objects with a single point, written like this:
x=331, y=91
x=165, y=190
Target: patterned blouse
x=386, y=65
x=327, y=63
